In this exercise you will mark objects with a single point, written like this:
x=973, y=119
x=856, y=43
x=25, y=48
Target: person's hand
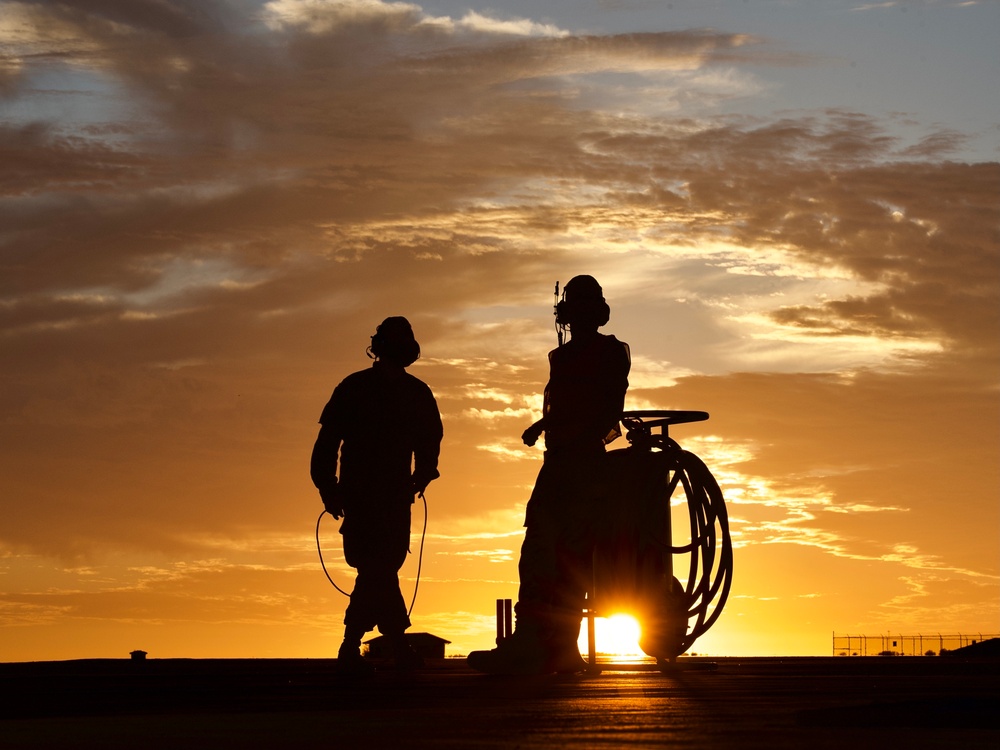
x=530, y=436
x=332, y=501
x=420, y=480
x=417, y=488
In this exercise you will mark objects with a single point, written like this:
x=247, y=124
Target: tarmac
x=836, y=702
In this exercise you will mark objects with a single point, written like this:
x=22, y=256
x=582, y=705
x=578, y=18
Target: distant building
x=427, y=645
x=137, y=655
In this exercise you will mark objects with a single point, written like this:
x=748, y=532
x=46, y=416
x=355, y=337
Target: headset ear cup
x=605, y=314
x=404, y=351
x=562, y=312
x=569, y=312
x=412, y=352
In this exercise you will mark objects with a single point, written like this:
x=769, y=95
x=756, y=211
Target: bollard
x=505, y=619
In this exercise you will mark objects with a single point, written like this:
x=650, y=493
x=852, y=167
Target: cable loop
x=420, y=557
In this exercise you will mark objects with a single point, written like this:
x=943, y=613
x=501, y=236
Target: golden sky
x=207, y=207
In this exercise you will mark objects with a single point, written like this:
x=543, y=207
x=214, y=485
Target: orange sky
x=206, y=211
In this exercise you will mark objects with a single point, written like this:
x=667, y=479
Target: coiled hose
x=710, y=562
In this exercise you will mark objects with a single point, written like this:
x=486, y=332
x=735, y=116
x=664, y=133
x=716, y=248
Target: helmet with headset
x=583, y=304
x=394, y=342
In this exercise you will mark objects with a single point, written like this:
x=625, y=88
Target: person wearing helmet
x=384, y=426
x=583, y=402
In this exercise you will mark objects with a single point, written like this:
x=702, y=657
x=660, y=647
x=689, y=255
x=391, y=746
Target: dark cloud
x=37, y=160
x=172, y=18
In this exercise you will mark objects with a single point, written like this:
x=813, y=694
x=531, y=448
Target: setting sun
x=617, y=635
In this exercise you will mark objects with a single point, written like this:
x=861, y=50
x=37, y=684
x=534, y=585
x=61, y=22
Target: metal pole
x=591, y=638
x=500, y=628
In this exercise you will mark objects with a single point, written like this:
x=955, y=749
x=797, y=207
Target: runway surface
x=846, y=702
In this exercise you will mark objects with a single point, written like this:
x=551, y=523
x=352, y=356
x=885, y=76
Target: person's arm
x=428, y=446
x=323, y=469
x=616, y=385
x=326, y=450
x=530, y=436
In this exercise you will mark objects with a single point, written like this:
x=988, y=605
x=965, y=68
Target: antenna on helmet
x=560, y=327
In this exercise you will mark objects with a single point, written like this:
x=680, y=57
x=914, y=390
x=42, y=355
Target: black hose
x=711, y=546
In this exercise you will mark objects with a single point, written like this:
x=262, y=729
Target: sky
x=206, y=207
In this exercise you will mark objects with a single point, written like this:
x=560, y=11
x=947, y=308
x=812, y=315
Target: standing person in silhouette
x=583, y=402
x=384, y=425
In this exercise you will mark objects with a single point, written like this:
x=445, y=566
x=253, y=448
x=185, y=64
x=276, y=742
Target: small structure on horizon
x=137, y=655
x=429, y=646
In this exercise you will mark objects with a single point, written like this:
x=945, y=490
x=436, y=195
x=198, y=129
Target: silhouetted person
x=584, y=399
x=385, y=425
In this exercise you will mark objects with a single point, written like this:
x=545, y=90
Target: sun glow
x=617, y=635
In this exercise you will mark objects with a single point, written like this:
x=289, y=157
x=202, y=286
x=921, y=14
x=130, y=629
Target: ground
x=911, y=702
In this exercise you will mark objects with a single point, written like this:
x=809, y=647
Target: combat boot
x=520, y=653
x=351, y=663
x=567, y=660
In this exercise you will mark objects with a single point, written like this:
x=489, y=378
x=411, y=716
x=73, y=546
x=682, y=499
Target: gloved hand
x=420, y=480
x=530, y=436
x=332, y=501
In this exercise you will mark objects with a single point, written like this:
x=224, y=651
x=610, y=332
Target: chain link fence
x=898, y=644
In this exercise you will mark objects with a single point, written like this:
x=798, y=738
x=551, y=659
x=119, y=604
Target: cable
x=322, y=562
x=420, y=557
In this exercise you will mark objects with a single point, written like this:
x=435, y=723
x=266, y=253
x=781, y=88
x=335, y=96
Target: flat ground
x=846, y=702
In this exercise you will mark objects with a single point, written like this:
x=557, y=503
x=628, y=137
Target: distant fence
x=904, y=645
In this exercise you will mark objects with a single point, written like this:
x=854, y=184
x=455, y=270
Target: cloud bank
x=206, y=207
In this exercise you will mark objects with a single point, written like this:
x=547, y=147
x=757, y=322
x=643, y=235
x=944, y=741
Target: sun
x=617, y=635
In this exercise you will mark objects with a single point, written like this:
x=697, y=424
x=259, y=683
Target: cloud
x=493, y=555
x=904, y=5
x=324, y=16
x=204, y=213
x=517, y=26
